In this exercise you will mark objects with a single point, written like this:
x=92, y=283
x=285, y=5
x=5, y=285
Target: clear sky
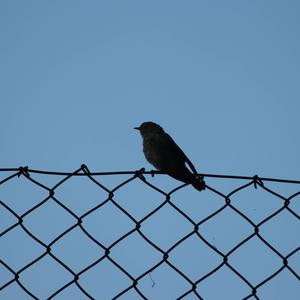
x=222, y=77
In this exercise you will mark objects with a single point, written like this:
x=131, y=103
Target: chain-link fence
x=122, y=236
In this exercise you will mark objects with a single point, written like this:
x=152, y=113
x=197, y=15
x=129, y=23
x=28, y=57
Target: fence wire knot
x=257, y=181
x=23, y=171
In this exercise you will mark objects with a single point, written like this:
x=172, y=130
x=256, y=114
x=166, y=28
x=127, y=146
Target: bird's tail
x=198, y=183
x=186, y=176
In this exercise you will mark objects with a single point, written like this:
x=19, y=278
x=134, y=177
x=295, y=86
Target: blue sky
x=222, y=77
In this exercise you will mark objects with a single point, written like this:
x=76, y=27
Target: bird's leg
x=152, y=172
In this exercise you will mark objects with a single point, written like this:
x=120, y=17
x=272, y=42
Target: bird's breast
x=154, y=152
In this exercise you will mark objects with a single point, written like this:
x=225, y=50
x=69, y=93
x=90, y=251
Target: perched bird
x=165, y=155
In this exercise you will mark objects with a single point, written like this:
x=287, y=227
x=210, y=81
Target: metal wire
x=15, y=277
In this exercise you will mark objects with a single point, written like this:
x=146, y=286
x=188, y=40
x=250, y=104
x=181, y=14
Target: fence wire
x=16, y=276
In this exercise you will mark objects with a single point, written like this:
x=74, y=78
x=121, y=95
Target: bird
x=166, y=156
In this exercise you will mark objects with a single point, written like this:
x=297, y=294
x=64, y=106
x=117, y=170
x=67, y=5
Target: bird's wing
x=176, y=149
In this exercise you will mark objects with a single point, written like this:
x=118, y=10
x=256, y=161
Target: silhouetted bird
x=165, y=155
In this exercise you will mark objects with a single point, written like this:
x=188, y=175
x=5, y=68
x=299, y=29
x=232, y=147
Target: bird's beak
x=137, y=128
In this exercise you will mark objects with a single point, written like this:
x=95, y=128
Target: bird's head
x=148, y=128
